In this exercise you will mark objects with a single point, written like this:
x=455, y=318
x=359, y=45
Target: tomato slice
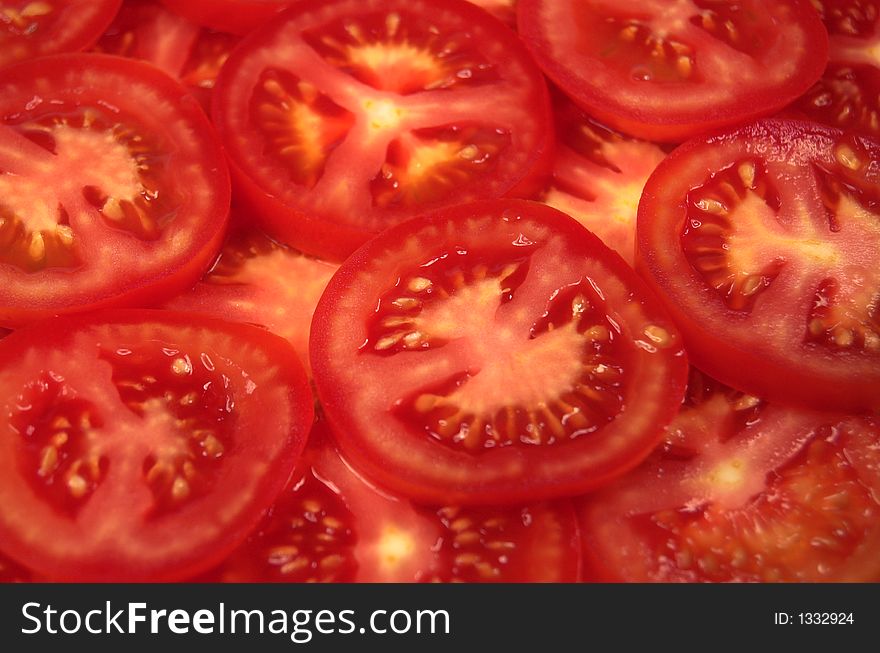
x=342, y=118
x=848, y=95
x=31, y=28
x=598, y=177
x=113, y=187
x=234, y=16
x=145, y=29
x=256, y=280
x=332, y=526
x=743, y=490
x=503, y=10
x=667, y=70
x=142, y=445
x=493, y=353
x=11, y=572
x=764, y=242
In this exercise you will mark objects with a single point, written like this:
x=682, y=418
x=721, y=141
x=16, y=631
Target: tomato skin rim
x=191, y=267
x=314, y=234
x=718, y=357
x=671, y=127
x=271, y=485
x=425, y=489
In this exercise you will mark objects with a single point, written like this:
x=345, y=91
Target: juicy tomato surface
x=113, y=187
x=742, y=490
x=234, y=16
x=330, y=525
x=495, y=352
x=145, y=29
x=147, y=443
x=504, y=10
x=259, y=281
x=343, y=118
x=848, y=95
x=33, y=28
x=667, y=70
x=598, y=177
x=764, y=243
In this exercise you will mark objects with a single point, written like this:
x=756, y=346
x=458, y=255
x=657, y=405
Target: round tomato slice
x=113, y=187
x=144, y=29
x=598, y=177
x=33, y=28
x=257, y=280
x=743, y=491
x=142, y=445
x=764, y=243
x=667, y=70
x=332, y=526
x=234, y=16
x=343, y=118
x=492, y=353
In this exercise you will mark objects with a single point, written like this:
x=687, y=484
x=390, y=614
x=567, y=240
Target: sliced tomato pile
x=485, y=242
x=344, y=118
x=332, y=526
x=743, y=490
x=144, y=196
x=419, y=334
x=259, y=281
x=669, y=69
x=764, y=245
x=143, y=438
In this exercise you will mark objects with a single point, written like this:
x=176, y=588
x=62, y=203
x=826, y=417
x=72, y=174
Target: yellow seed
x=295, y=565
x=48, y=461
x=392, y=22
x=598, y=333
x=711, y=206
x=61, y=423
x=745, y=402
x=629, y=32
x=752, y=285
x=112, y=209
x=212, y=446
x=181, y=366
x=37, y=248
x=311, y=506
x=387, y=342
x=847, y=157
x=816, y=327
x=413, y=338
x=466, y=559
x=77, y=486
x=332, y=523
x=500, y=545
x=843, y=337
x=460, y=524
x=65, y=234
x=426, y=402
x=419, y=284
x=37, y=9
x=406, y=303
x=747, y=174
x=684, y=66
x=466, y=538
x=332, y=561
x=180, y=488
x=469, y=152
x=658, y=335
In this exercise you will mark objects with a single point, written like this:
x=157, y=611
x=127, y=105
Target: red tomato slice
x=31, y=28
x=666, y=70
x=113, y=187
x=144, y=29
x=257, y=280
x=234, y=16
x=332, y=526
x=142, y=445
x=744, y=491
x=343, y=118
x=848, y=95
x=493, y=353
x=503, y=10
x=764, y=243
x=11, y=572
x=598, y=177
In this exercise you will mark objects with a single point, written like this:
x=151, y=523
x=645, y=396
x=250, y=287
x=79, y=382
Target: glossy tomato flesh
x=764, y=244
x=344, y=118
x=495, y=352
x=747, y=491
x=152, y=440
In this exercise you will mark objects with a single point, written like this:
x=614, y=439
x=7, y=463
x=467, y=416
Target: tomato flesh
x=234, y=16
x=259, y=281
x=500, y=350
x=31, y=29
x=764, y=244
x=142, y=436
x=332, y=526
x=101, y=201
x=379, y=113
x=666, y=71
x=743, y=491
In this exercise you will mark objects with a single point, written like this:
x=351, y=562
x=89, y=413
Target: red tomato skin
x=271, y=484
x=673, y=128
x=233, y=16
x=334, y=242
x=718, y=357
x=512, y=492
x=153, y=290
